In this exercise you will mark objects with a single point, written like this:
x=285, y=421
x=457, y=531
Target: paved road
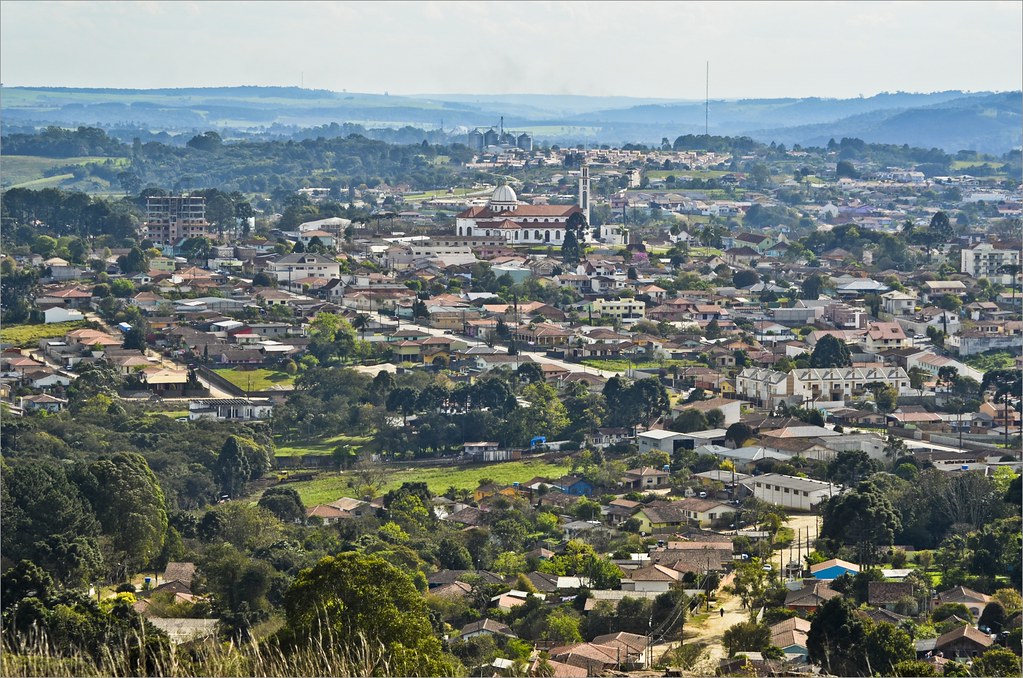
x=572, y=367
x=538, y=357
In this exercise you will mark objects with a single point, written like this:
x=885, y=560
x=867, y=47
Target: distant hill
x=985, y=123
x=781, y=112
x=953, y=120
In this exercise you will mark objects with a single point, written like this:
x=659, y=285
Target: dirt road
x=710, y=630
x=806, y=528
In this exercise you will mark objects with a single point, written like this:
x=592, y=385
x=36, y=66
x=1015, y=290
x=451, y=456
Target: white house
x=732, y=409
x=664, y=441
x=59, y=314
x=931, y=363
x=898, y=303
x=652, y=578
x=230, y=409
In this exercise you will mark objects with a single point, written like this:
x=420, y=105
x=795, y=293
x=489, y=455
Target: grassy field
x=327, y=488
x=704, y=252
x=679, y=173
x=261, y=379
x=442, y=193
x=321, y=448
x=173, y=414
x=21, y=171
x=624, y=365
x=967, y=164
x=29, y=335
x=992, y=360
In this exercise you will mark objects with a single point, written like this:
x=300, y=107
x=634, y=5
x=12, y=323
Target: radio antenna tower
x=706, y=105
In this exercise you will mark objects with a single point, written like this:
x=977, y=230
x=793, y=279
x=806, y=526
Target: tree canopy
x=366, y=607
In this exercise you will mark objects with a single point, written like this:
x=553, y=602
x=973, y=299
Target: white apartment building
x=763, y=386
x=627, y=310
x=836, y=384
x=304, y=265
x=984, y=261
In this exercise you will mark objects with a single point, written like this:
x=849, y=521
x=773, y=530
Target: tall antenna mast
x=706, y=105
x=502, y=125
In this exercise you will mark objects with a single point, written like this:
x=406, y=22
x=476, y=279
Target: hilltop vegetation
x=950, y=120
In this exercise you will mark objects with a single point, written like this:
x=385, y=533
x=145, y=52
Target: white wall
x=58, y=314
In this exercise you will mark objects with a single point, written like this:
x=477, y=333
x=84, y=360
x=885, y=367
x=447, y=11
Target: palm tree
x=361, y=323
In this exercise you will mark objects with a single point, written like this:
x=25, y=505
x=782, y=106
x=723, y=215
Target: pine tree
x=570, y=247
x=232, y=468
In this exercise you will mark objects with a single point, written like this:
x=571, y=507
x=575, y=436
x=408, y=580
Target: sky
x=639, y=49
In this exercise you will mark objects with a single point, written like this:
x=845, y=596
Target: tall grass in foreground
x=31, y=655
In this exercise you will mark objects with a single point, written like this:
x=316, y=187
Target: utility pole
x=706, y=580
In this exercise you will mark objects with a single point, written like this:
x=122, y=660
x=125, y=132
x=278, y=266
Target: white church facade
x=521, y=224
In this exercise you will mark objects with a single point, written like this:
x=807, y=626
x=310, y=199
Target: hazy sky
x=658, y=49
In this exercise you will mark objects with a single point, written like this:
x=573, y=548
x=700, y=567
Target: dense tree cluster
x=58, y=142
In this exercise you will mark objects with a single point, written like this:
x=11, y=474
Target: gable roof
x=834, y=562
x=961, y=594
x=488, y=625
x=179, y=571
x=883, y=592
x=967, y=632
x=654, y=573
x=811, y=595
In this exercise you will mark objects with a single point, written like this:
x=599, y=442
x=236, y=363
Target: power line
x=706, y=109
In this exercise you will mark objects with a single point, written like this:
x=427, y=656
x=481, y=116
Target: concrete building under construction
x=171, y=219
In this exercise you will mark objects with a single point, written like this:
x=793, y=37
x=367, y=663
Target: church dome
x=504, y=195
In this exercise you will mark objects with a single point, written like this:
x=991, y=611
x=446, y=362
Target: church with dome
x=518, y=223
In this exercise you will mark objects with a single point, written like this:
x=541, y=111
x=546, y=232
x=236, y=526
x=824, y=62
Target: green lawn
x=260, y=379
x=173, y=414
x=967, y=164
x=29, y=335
x=679, y=173
x=704, y=252
x=624, y=365
x=29, y=170
x=329, y=487
x=992, y=360
x=320, y=448
x=442, y=193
